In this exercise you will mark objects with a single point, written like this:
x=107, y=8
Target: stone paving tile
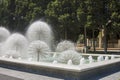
x=23, y=75
x=114, y=76
x=5, y=77
x=8, y=74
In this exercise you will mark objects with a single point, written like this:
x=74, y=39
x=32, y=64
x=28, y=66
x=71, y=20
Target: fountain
x=65, y=45
x=55, y=62
x=72, y=55
x=15, y=45
x=40, y=31
x=82, y=61
x=112, y=57
x=69, y=62
x=33, y=54
x=106, y=58
x=37, y=50
x=90, y=59
x=4, y=34
x=100, y=58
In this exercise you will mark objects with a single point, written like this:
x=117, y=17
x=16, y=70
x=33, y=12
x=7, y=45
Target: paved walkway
x=8, y=74
x=5, y=77
x=114, y=76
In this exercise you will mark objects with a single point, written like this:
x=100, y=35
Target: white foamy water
x=69, y=55
x=38, y=50
x=15, y=43
x=4, y=34
x=65, y=45
x=40, y=31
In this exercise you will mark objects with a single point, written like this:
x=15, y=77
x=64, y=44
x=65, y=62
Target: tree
x=64, y=13
x=90, y=16
x=111, y=9
x=3, y=12
x=115, y=17
x=69, y=18
x=21, y=13
x=82, y=17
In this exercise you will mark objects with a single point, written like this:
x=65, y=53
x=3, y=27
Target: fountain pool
x=84, y=71
x=32, y=53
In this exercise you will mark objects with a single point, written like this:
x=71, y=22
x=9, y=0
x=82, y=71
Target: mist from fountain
x=100, y=58
x=106, y=58
x=12, y=53
x=39, y=30
x=38, y=50
x=65, y=45
x=4, y=34
x=67, y=55
x=82, y=61
x=112, y=57
x=55, y=62
x=69, y=62
x=90, y=59
x=16, y=44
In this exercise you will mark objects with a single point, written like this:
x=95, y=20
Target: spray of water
x=72, y=55
x=12, y=53
x=39, y=31
x=38, y=50
x=65, y=45
x=4, y=34
x=15, y=43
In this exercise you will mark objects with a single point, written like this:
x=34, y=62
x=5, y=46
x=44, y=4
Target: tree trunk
x=85, y=40
x=94, y=50
x=65, y=33
x=105, y=40
x=100, y=39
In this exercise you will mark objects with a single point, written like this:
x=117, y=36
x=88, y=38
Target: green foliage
x=3, y=12
x=19, y=14
x=67, y=17
x=114, y=12
x=64, y=14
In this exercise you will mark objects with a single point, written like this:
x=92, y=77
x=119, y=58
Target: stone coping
x=100, y=54
x=64, y=71
x=65, y=67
